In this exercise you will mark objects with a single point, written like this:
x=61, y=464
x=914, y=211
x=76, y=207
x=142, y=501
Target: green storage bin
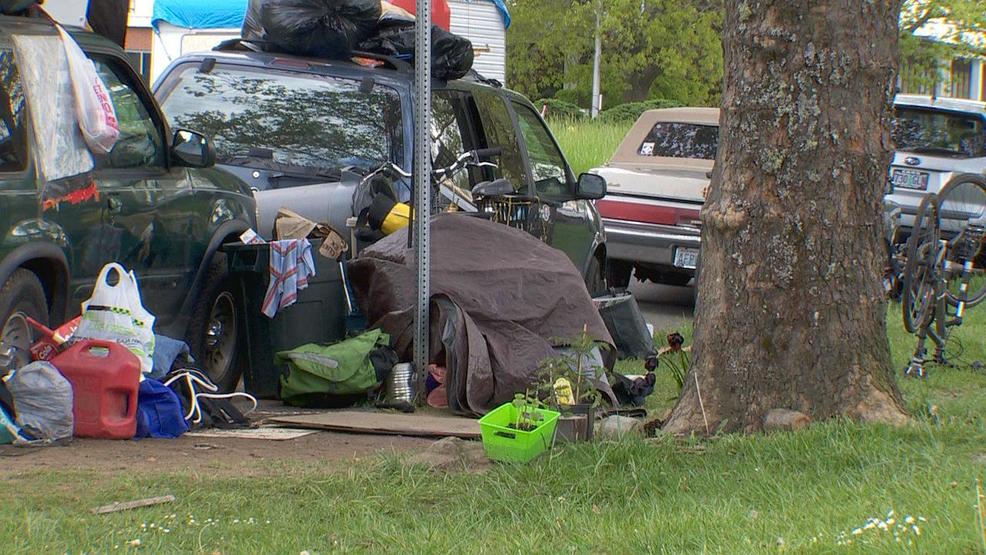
x=503, y=443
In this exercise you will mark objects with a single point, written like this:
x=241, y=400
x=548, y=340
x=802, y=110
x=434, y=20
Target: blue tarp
x=200, y=14
x=228, y=14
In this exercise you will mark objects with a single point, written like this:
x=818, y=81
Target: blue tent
x=228, y=14
x=199, y=14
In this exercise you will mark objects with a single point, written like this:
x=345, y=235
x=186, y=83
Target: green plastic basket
x=503, y=443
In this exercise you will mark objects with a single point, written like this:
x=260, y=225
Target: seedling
x=527, y=417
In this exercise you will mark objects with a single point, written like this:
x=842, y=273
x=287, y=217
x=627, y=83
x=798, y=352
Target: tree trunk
x=791, y=310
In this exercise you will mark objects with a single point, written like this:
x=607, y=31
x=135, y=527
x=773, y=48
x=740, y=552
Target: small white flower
x=891, y=513
x=882, y=526
x=856, y=531
x=135, y=543
x=917, y=531
x=909, y=520
x=922, y=519
x=869, y=525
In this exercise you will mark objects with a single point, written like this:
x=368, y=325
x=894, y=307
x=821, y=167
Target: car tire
x=619, y=273
x=215, y=331
x=22, y=295
x=595, y=281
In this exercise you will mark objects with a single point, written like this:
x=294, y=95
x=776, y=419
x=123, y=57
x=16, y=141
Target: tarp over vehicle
x=501, y=301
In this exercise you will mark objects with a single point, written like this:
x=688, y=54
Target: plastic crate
x=503, y=443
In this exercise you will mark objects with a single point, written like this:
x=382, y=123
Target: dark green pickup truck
x=153, y=203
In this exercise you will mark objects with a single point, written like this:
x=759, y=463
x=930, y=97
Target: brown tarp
x=501, y=301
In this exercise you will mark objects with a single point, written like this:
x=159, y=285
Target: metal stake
x=422, y=187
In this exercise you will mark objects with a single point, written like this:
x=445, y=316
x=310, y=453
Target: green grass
x=802, y=492
x=588, y=144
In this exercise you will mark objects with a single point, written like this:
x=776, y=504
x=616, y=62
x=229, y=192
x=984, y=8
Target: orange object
x=105, y=378
x=441, y=14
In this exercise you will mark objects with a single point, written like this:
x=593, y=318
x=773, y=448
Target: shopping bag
x=93, y=105
x=115, y=313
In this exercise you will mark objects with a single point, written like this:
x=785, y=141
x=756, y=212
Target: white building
x=959, y=77
x=157, y=36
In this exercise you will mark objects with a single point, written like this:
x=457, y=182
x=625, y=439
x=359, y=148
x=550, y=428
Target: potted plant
x=518, y=431
x=568, y=381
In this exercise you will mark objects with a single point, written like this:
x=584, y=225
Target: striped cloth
x=291, y=264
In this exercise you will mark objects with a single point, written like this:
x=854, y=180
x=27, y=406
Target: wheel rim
x=220, y=337
x=15, y=340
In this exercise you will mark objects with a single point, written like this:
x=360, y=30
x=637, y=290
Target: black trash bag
x=318, y=28
x=451, y=55
x=15, y=7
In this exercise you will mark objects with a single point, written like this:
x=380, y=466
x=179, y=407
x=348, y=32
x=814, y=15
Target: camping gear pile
x=339, y=29
x=92, y=377
x=501, y=296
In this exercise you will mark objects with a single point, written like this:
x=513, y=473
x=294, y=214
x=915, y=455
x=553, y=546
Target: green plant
x=576, y=366
x=528, y=418
x=629, y=112
x=676, y=359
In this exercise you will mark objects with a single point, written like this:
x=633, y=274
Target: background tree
x=651, y=49
x=791, y=312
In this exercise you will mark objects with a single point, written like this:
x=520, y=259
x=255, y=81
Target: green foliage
x=576, y=367
x=559, y=109
x=655, y=48
x=629, y=112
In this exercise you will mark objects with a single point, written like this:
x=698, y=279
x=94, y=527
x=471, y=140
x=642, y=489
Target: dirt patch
x=213, y=456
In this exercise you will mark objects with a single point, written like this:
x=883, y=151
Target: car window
x=284, y=121
x=140, y=143
x=938, y=132
x=547, y=162
x=13, y=134
x=451, y=137
x=681, y=140
x=499, y=130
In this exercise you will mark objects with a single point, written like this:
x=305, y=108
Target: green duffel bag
x=332, y=375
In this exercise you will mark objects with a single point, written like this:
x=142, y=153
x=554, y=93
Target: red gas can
x=105, y=378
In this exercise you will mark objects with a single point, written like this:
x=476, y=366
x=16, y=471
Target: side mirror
x=590, y=187
x=192, y=149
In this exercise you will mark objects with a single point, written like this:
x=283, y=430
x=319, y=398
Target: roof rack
x=256, y=45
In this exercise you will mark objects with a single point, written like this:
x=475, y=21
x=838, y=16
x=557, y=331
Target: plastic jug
x=105, y=378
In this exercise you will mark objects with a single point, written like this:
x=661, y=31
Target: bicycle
x=939, y=271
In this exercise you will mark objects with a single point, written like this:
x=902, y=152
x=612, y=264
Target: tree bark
x=791, y=311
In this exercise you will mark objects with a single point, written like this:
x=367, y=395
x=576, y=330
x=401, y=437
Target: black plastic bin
x=318, y=316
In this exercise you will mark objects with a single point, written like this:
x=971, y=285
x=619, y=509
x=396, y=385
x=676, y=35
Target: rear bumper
x=650, y=244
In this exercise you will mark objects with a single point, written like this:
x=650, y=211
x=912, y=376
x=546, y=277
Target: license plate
x=910, y=179
x=686, y=258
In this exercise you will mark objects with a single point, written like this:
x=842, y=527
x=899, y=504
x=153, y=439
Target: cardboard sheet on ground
x=270, y=434
x=363, y=422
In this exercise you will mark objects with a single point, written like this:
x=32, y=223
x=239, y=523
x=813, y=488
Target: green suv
x=153, y=204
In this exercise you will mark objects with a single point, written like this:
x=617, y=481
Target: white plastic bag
x=115, y=313
x=93, y=106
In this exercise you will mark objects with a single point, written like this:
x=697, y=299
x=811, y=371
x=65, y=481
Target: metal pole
x=422, y=187
x=596, y=62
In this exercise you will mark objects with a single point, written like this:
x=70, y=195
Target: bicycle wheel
x=963, y=199
x=920, y=271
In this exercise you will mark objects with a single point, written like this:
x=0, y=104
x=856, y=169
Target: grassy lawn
x=803, y=492
x=588, y=144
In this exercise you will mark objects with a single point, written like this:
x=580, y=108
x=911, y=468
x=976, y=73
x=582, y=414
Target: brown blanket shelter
x=501, y=301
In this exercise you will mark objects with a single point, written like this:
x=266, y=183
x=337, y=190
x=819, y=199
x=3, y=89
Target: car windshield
x=681, y=140
x=939, y=132
x=312, y=124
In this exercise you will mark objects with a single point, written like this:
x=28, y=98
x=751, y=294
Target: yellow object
x=563, y=392
x=398, y=218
